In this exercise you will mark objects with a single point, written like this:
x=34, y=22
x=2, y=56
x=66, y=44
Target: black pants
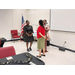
x=48, y=43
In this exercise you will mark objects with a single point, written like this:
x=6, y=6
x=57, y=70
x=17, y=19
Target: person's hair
x=41, y=23
x=26, y=21
x=45, y=20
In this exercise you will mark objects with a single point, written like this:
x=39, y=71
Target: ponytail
x=41, y=23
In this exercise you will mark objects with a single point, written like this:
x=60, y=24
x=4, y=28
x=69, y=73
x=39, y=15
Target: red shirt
x=41, y=30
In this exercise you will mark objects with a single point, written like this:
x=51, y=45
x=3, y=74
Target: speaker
x=61, y=48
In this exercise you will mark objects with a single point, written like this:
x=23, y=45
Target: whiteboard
x=63, y=19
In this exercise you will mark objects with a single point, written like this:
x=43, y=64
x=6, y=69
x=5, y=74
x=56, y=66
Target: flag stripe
x=22, y=25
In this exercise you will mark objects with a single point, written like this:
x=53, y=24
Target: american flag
x=22, y=25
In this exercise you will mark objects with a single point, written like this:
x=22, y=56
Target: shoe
x=43, y=55
x=30, y=49
x=38, y=56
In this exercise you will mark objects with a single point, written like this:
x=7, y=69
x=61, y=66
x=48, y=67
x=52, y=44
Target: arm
x=48, y=37
x=30, y=34
x=25, y=32
x=32, y=31
x=42, y=35
x=47, y=28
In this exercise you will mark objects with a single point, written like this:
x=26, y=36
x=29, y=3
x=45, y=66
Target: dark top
x=29, y=30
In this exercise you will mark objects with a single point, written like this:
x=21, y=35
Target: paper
x=9, y=58
x=1, y=37
x=31, y=63
x=35, y=33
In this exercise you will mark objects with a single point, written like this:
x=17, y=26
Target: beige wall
x=10, y=19
x=5, y=23
x=17, y=18
x=57, y=37
x=33, y=15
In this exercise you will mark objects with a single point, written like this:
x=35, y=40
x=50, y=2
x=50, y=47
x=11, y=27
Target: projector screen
x=63, y=19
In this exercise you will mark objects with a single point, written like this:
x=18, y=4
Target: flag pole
x=21, y=20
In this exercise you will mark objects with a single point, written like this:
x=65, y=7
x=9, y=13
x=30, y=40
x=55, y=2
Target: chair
x=14, y=34
x=7, y=51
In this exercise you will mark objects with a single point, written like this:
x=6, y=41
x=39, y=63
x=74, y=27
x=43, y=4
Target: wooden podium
x=45, y=42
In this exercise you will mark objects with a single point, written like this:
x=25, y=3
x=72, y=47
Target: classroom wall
x=33, y=15
x=10, y=19
x=17, y=18
x=5, y=23
x=57, y=37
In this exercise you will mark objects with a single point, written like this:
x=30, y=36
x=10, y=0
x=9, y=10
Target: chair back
x=15, y=32
x=7, y=51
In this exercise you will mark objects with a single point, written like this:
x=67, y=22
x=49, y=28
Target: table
x=22, y=56
x=2, y=41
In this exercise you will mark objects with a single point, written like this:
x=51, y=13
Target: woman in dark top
x=28, y=35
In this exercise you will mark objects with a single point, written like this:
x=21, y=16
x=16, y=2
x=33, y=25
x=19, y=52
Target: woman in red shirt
x=41, y=38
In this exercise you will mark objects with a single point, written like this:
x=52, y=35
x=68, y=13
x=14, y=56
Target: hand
x=44, y=37
x=28, y=35
x=31, y=34
x=46, y=27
